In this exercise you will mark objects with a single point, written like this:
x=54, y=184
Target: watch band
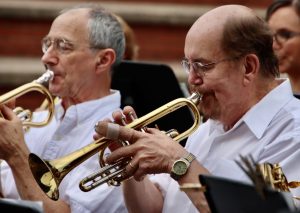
x=190, y=157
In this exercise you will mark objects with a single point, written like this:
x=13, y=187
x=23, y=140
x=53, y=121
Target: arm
x=151, y=153
x=192, y=176
x=15, y=152
x=142, y=196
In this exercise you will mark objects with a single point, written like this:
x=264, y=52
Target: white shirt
x=269, y=131
x=63, y=136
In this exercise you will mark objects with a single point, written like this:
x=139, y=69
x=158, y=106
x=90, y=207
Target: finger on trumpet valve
x=172, y=133
x=124, y=143
x=144, y=129
x=123, y=120
x=24, y=115
x=132, y=115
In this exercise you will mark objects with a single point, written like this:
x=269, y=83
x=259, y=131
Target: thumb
x=7, y=113
x=11, y=104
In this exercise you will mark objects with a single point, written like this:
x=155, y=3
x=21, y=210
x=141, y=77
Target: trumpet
x=49, y=174
x=36, y=85
x=273, y=176
x=267, y=175
x=264, y=176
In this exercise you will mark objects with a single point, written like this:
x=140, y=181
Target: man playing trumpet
x=230, y=61
x=81, y=47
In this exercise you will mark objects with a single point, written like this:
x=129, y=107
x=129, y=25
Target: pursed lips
x=57, y=76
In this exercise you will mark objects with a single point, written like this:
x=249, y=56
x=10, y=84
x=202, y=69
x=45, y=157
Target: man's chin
x=209, y=106
x=54, y=91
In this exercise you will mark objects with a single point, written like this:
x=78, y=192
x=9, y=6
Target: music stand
x=24, y=206
x=225, y=195
x=147, y=86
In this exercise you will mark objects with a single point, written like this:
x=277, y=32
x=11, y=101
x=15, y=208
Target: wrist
x=181, y=166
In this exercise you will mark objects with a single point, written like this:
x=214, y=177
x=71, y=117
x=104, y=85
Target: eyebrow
x=283, y=29
x=55, y=38
x=201, y=60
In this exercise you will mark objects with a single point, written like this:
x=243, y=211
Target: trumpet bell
x=48, y=181
x=49, y=174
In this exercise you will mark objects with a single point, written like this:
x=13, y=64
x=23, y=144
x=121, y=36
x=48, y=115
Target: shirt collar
x=260, y=115
x=80, y=112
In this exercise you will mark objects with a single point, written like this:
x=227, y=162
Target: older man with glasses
x=229, y=58
x=83, y=44
x=283, y=18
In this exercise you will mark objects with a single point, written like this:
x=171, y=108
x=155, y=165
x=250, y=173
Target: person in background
x=229, y=58
x=284, y=22
x=296, y=4
x=131, y=48
x=83, y=44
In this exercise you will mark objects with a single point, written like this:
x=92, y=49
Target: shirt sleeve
x=8, y=186
x=108, y=198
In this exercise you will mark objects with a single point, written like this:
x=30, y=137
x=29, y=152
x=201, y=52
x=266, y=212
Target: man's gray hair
x=105, y=30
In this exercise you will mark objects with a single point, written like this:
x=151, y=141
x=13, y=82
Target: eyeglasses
x=282, y=35
x=59, y=44
x=201, y=69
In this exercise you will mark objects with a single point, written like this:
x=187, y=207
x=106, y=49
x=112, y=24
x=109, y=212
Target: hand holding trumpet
x=151, y=151
x=12, y=137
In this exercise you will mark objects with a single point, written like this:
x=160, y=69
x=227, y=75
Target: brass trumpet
x=267, y=175
x=36, y=85
x=275, y=178
x=264, y=176
x=49, y=174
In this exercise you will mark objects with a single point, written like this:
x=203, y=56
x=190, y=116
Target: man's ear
x=251, y=67
x=105, y=59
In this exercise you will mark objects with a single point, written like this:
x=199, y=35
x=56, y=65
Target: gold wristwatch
x=181, y=166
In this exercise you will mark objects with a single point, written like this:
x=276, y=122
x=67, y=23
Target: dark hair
x=251, y=35
x=276, y=5
x=296, y=4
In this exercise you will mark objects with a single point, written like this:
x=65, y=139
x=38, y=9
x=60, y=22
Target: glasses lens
x=63, y=45
x=185, y=65
x=46, y=43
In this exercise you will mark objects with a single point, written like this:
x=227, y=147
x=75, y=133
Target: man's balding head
x=237, y=31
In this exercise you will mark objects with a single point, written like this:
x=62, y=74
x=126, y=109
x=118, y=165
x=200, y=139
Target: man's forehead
x=220, y=15
x=79, y=14
x=203, y=36
x=71, y=24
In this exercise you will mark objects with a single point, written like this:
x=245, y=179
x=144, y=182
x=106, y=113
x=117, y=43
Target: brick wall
x=22, y=38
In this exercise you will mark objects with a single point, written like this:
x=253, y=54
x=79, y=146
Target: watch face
x=180, y=167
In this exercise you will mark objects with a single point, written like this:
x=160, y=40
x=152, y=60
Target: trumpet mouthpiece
x=45, y=78
x=195, y=97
